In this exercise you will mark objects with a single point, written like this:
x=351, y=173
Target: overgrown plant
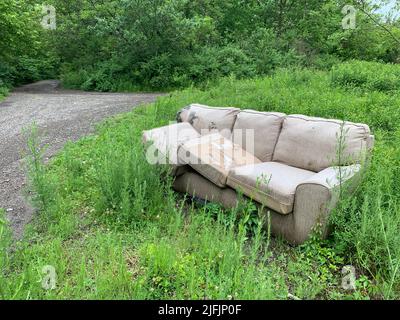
x=42, y=188
x=5, y=240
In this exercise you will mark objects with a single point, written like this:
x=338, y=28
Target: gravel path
x=61, y=115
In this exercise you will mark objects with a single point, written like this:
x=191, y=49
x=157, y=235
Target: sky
x=385, y=10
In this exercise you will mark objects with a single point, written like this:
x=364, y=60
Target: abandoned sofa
x=292, y=166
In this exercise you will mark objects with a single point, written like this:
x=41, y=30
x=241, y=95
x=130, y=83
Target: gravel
x=61, y=116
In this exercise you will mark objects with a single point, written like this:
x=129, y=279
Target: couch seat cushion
x=269, y=183
x=165, y=142
x=213, y=156
x=207, y=119
x=258, y=132
x=313, y=143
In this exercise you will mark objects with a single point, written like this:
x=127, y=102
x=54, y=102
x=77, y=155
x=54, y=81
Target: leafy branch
x=363, y=9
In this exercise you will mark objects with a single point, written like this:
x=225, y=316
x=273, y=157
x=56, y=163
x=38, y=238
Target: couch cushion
x=165, y=143
x=269, y=183
x=258, y=132
x=206, y=119
x=213, y=156
x=312, y=143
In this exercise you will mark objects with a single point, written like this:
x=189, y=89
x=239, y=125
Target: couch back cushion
x=314, y=143
x=258, y=132
x=206, y=119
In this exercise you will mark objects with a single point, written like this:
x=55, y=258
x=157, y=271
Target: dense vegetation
x=162, y=44
x=159, y=44
x=26, y=53
x=109, y=235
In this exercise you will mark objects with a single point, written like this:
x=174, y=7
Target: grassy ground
x=111, y=226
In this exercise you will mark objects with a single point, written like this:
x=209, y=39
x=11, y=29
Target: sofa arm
x=316, y=197
x=333, y=177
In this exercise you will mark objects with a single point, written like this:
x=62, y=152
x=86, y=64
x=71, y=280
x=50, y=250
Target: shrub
x=3, y=91
x=7, y=74
x=367, y=75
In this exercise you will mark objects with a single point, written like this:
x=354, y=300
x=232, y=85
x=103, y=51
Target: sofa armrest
x=333, y=177
x=316, y=197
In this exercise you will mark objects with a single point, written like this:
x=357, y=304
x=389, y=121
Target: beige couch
x=293, y=166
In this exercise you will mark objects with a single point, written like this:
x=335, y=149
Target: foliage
x=25, y=48
x=4, y=247
x=160, y=44
x=369, y=76
x=3, y=92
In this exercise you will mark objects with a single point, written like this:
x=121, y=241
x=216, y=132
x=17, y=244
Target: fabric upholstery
x=207, y=119
x=213, y=156
x=312, y=143
x=313, y=201
x=297, y=189
x=270, y=183
x=257, y=132
x=332, y=177
x=196, y=185
x=165, y=142
x=317, y=196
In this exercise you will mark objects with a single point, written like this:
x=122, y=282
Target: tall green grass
x=113, y=228
x=367, y=75
x=3, y=92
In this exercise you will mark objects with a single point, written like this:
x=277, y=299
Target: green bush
x=26, y=51
x=3, y=92
x=179, y=43
x=72, y=79
x=367, y=75
x=162, y=71
x=7, y=74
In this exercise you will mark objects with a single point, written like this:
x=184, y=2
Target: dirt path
x=61, y=115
